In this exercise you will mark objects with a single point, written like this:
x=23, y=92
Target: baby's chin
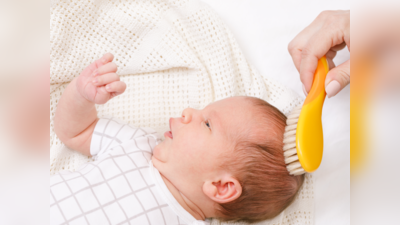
x=159, y=153
x=159, y=165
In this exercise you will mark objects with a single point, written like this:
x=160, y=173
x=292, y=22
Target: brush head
x=289, y=140
x=303, y=138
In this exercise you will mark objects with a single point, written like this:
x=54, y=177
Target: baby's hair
x=258, y=163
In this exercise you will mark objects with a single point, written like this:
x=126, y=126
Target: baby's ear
x=222, y=190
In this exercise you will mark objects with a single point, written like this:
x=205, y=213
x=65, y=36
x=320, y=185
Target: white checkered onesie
x=120, y=187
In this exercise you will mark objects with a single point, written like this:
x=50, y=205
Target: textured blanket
x=172, y=55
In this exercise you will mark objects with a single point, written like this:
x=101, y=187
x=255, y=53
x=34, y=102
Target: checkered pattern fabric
x=116, y=188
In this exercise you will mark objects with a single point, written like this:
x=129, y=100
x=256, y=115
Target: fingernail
x=332, y=88
x=95, y=81
x=304, y=90
x=95, y=73
x=107, y=87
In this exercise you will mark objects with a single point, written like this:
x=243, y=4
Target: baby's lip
x=168, y=134
x=170, y=128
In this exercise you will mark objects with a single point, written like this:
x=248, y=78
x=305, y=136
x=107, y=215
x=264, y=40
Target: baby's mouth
x=168, y=134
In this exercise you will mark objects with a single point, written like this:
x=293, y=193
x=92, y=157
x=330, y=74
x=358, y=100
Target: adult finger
x=334, y=35
x=296, y=57
x=339, y=47
x=337, y=79
x=296, y=54
x=296, y=46
x=329, y=57
x=316, y=47
x=298, y=43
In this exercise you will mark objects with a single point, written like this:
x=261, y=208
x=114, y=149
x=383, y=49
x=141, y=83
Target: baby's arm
x=76, y=114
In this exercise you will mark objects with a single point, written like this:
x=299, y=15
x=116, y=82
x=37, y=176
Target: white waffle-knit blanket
x=172, y=55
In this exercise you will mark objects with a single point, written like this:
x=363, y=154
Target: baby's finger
x=107, y=68
x=106, y=58
x=117, y=87
x=105, y=79
x=102, y=95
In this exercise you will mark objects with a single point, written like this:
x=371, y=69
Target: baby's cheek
x=183, y=157
x=197, y=159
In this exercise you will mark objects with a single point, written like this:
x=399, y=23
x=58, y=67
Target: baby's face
x=192, y=151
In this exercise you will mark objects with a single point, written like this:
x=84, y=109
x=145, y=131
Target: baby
x=224, y=161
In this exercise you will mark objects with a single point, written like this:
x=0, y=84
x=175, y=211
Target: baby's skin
x=189, y=159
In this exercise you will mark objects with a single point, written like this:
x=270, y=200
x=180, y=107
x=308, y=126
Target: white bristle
x=289, y=140
x=291, y=159
x=290, y=127
x=292, y=121
x=293, y=166
x=298, y=171
x=293, y=116
x=289, y=146
x=290, y=152
x=289, y=133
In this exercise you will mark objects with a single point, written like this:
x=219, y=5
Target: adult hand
x=327, y=34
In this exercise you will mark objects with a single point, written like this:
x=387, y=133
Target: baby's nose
x=187, y=115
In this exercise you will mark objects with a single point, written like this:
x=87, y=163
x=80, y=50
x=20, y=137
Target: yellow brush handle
x=309, y=136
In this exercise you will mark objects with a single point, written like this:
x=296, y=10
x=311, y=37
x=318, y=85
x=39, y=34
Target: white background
x=263, y=30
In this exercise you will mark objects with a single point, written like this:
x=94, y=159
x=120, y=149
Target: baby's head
x=227, y=159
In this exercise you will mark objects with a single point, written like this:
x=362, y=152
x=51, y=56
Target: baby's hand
x=99, y=82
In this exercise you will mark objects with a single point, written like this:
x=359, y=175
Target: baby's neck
x=188, y=205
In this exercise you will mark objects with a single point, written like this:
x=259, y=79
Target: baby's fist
x=99, y=82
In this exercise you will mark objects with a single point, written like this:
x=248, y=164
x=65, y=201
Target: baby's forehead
x=247, y=116
x=236, y=116
x=232, y=104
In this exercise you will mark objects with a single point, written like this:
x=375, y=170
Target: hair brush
x=303, y=138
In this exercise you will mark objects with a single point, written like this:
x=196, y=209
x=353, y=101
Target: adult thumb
x=337, y=79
